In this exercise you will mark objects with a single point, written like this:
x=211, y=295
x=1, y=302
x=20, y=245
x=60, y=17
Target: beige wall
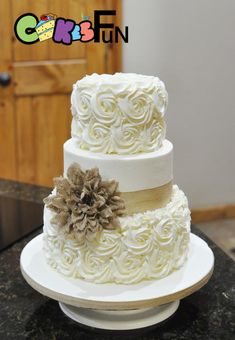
x=191, y=46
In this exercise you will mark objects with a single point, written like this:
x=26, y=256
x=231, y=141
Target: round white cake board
x=117, y=306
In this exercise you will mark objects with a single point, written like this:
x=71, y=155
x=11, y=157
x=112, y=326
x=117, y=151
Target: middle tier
x=133, y=172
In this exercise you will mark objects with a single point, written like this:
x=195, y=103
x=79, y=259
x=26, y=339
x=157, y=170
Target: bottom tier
x=148, y=245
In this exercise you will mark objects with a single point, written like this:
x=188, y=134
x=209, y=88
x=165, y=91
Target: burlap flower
x=84, y=204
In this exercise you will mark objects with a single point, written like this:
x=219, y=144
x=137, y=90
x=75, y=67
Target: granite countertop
x=25, y=314
x=23, y=191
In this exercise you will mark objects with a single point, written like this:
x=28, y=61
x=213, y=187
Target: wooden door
x=35, y=113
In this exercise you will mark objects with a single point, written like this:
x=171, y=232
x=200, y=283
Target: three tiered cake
x=115, y=215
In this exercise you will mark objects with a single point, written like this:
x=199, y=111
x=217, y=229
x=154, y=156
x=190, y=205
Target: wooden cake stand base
x=120, y=320
x=113, y=306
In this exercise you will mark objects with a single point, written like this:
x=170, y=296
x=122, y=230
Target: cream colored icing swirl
x=120, y=113
x=149, y=245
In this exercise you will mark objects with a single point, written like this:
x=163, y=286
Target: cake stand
x=113, y=306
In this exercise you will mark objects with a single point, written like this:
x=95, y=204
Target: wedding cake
x=115, y=215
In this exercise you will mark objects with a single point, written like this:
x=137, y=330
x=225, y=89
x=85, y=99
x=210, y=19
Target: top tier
x=119, y=114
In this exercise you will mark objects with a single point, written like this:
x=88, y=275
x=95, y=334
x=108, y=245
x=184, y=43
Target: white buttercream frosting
x=121, y=113
x=148, y=245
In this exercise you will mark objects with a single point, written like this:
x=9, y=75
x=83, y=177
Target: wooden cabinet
x=35, y=113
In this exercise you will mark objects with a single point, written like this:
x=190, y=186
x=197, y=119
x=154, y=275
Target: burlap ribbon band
x=150, y=199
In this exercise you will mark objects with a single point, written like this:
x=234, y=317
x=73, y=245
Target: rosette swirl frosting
x=149, y=245
x=120, y=113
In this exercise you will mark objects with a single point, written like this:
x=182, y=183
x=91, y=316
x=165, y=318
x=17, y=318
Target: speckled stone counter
x=25, y=314
x=23, y=191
